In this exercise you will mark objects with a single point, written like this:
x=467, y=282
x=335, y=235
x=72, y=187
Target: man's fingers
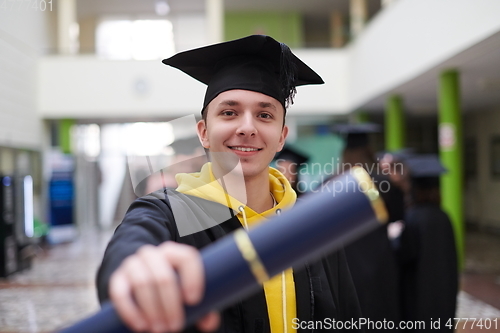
x=150, y=288
x=187, y=261
x=170, y=310
x=119, y=292
x=209, y=323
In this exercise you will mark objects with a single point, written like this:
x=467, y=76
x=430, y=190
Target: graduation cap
x=425, y=170
x=356, y=135
x=399, y=155
x=289, y=154
x=423, y=166
x=256, y=63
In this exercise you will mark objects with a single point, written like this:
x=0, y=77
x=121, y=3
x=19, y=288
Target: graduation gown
x=428, y=266
x=375, y=274
x=324, y=288
x=373, y=263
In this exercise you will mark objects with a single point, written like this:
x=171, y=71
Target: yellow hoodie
x=279, y=290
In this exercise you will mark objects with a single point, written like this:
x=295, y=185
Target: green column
x=394, y=124
x=362, y=117
x=450, y=152
x=65, y=135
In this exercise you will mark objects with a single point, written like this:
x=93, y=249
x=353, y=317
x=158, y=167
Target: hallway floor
x=59, y=288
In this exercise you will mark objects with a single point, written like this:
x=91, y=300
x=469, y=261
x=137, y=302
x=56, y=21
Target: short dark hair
x=204, y=114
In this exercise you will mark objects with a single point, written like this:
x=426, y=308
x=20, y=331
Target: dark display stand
x=8, y=242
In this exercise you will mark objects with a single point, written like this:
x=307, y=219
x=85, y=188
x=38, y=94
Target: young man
x=250, y=82
x=371, y=258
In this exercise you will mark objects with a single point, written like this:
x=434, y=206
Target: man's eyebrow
x=267, y=105
x=229, y=102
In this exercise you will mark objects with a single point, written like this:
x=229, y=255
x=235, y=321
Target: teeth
x=244, y=149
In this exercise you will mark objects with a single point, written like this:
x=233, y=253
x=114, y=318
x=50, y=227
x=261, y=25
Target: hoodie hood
x=204, y=185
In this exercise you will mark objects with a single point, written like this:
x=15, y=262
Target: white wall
x=82, y=87
x=330, y=98
x=24, y=35
x=483, y=191
x=85, y=86
x=190, y=31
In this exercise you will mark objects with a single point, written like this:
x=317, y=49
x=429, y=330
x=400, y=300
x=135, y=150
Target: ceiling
x=98, y=8
x=147, y=7
x=479, y=72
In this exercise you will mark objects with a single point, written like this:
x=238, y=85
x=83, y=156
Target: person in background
x=371, y=258
x=427, y=252
x=392, y=164
x=289, y=162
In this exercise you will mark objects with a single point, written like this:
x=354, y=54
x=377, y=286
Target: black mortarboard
x=289, y=154
x=425, y=171
x=425, y=166
x=356, y=135
x=257, y=63
x=399, y=155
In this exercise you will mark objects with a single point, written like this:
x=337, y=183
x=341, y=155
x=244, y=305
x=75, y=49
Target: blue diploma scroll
x=344, y=209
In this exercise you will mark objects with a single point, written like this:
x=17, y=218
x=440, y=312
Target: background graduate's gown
x=373, y=264
x=428, y=265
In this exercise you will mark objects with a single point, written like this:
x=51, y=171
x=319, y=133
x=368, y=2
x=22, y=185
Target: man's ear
x=201, y=129
x=284, y=134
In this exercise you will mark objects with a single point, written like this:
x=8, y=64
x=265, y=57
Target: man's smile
x=245, y=149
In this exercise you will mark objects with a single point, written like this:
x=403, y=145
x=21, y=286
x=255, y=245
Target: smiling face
x=247, y=125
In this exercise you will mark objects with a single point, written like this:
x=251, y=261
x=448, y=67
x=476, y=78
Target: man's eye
x=228, y=113
x=265, y=115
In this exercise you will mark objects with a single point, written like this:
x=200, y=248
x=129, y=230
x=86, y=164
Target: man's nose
x=246, y=125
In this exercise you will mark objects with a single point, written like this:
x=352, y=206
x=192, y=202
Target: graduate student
x=371, y=258
x=289, y=162
x=250, y=82
x=427, y=253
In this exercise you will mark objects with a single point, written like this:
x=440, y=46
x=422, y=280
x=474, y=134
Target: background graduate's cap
x=356, y=135
x=290, y=154
x=425, y=166
x=425, y=171
x=399, y=155
x=257, y=63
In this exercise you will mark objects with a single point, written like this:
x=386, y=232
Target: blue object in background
x=61, y=192
x=62, y=220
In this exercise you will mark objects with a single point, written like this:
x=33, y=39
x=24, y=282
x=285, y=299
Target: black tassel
x=288, y=75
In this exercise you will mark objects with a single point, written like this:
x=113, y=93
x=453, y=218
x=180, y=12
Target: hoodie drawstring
x=283, y=291
x=283, y=277
x=244, y=216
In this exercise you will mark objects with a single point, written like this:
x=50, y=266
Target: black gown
x=428, y=266
x=324, y=289
x=373, y=265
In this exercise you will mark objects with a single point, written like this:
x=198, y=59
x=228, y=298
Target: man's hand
x=148, y=295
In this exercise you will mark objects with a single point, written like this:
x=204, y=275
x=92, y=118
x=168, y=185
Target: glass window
x=135, y=39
